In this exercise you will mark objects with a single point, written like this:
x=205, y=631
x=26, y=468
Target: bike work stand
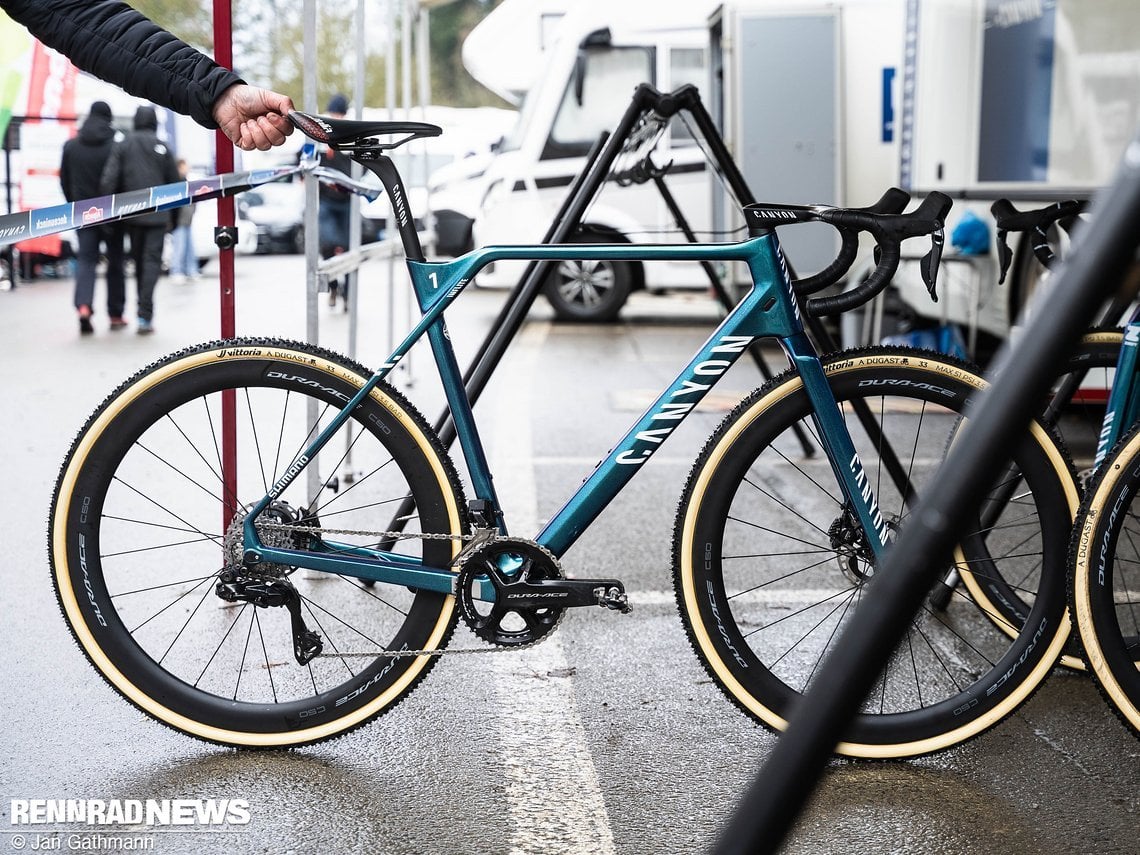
x=648, y=106
x=599, y=165
x=599, y=168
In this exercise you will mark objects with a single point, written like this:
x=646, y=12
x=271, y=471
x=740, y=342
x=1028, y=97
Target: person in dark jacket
x=80, y=171
x=143, y=160
x=184, y=260
x=334, y=214
x=111, y=40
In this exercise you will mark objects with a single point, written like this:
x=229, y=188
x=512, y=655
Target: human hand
x=253, y=118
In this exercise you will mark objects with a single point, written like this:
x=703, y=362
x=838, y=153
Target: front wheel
x=769, y=561
x=145, y=536
x=1105, y=556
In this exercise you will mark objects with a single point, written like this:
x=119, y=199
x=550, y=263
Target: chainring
x=506, y=562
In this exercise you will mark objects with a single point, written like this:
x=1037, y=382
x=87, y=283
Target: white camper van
x=598, y=53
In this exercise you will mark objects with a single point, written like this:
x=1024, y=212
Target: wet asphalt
x=607, y=738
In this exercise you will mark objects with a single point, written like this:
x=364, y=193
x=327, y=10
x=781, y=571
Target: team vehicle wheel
x=589, y=291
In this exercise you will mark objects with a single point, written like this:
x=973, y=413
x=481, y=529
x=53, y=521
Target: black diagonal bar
x=522, y=296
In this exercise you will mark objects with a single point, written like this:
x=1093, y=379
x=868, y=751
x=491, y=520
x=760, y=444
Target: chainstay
x=402, y=535
x=378, y=535
x=444, y=651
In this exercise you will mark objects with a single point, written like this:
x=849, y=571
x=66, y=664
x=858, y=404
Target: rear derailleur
x=266, y=585
x=270, y=593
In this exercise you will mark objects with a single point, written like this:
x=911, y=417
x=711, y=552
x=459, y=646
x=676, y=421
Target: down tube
x=757, y=312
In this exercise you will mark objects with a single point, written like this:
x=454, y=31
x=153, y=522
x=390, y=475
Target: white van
x=601, y=52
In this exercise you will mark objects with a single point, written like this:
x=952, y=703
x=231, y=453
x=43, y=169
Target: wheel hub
x=270, y=531
x=852, y=551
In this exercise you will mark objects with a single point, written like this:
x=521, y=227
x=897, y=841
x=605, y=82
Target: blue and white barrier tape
x=105, y=209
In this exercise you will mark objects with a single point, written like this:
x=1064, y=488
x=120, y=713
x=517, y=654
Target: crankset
x=529, y=592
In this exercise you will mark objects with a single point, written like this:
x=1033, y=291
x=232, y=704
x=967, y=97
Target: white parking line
x=552, y=794
x=777, y=597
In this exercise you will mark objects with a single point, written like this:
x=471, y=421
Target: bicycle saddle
x=351, y=133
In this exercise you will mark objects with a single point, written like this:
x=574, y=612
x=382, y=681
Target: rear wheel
x=145, y=536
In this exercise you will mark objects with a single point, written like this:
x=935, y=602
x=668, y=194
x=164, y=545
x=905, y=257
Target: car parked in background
x=277, y=212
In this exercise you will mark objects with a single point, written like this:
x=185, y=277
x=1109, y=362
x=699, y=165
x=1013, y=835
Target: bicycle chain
x=402, y=535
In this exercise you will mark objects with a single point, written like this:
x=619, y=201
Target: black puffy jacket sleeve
x=115, y=42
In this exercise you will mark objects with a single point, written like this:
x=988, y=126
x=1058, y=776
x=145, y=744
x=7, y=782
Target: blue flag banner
x=105, y=209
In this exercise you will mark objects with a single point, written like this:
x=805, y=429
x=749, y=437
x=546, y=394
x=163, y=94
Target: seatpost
x=401, y=208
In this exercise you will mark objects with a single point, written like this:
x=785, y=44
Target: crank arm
x=567, y=593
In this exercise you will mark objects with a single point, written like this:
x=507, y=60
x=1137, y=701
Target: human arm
x=115, y=42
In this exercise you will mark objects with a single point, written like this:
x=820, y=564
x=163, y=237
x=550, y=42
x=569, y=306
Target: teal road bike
x=261, y=543
x=1105, y=547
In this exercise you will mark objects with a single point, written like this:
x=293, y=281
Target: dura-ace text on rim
x=1105, y=556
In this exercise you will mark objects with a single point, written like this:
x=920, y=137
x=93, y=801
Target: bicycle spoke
x=211, y=538
x=782, y=534
x=329, y=639
x=150, y=524
x=265, y=482
x=265, y=654
x=798, y=612
x=209, y=661
x=178, y=635
x=170, y=604
x=195, y=482
x=160, y=506
x=197, y=580
x=755, y=588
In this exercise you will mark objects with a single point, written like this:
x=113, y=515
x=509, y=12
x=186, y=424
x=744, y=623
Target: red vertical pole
x=224, y=162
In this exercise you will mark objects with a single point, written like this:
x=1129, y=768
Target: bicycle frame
x=1123, y=408
x=769, y=309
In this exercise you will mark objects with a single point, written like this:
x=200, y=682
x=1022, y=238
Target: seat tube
x=837, y=442
x=464, y=418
